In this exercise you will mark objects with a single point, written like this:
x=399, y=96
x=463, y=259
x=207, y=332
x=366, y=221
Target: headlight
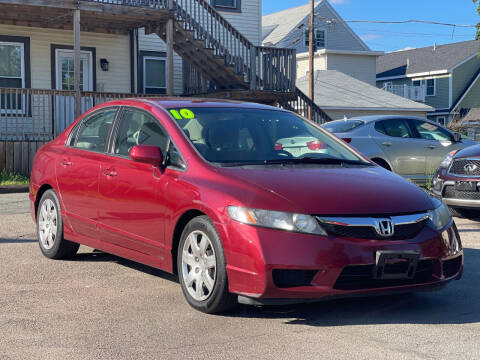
x=276, y=220
x=447, y=160
x=440, y=216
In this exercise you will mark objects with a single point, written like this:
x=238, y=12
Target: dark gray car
x=409, y=146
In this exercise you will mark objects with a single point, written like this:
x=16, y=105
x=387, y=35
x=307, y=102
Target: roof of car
x=371, y=118
x=180, y=102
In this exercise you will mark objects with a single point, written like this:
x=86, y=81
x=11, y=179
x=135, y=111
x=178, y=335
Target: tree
x=478, y=25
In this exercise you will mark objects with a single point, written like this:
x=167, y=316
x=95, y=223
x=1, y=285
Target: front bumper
x=457, y=199
x=254, y=255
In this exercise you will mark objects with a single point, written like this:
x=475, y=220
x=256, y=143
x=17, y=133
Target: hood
x=334, y=191
x=471, y=151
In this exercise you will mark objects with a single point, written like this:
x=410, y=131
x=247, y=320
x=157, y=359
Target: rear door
x=78, y=170
x=131, y=213
x=397, y=140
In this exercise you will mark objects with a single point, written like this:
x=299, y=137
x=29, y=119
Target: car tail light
x=278, y=146
x=347, y=140
x=316, y=145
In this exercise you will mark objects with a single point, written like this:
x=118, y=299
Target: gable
x=292, y=24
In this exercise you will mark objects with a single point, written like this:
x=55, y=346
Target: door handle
x=110, y=172
x=432, y=147
x=65, y=163
x=386, y=143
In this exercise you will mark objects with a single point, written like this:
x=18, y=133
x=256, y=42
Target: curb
x=12, y=189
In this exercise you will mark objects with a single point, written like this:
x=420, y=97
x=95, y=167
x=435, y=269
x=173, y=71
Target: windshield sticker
x=183, y=114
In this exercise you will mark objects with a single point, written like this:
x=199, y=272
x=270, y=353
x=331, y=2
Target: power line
x=412, y=21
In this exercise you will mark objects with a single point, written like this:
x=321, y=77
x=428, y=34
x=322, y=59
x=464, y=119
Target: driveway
x=98, y=306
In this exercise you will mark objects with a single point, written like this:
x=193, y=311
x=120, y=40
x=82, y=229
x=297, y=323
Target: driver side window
x=429, y=131
x=138, y=128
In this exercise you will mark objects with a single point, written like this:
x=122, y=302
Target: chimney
x=408, y=63
x=434, y=46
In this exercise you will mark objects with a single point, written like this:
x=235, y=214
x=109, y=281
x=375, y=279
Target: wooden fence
x=17, y=156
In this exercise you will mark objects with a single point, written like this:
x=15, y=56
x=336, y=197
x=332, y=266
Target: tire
x=200, y=252
x=464, y=213
x=49, y=216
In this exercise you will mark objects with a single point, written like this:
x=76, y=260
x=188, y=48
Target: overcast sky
x=394, y=37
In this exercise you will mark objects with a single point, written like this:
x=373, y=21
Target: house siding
x=338, y=36
x=472, y=99
x=358, y=66
x=114, y=48
x=462, y=77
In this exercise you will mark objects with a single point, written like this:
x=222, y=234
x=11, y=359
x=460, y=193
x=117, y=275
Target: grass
x=10, y=178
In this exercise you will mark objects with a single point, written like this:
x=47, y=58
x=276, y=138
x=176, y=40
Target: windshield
x=252, y=136
x=341, y=126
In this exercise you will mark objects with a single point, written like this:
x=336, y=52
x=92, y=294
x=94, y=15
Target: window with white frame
x=12, y=73
x=232, y=5
x=154, y=75
x=320, y=38
x=429, y=84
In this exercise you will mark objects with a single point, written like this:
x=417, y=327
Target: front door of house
x=65, y=80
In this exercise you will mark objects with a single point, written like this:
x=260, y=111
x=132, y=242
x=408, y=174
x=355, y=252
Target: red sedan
x=200, y=188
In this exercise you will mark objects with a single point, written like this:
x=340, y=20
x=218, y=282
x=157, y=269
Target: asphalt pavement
x=98, y=306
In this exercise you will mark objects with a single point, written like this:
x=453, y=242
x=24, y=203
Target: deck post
x=76, y=65
x=170, y=50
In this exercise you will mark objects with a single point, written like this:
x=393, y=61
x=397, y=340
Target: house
x=445, y=77
x=342, y=96
x=131, y=48
x=337, y=45
x=345, y=79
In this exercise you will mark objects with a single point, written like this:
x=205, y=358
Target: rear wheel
x=50, y=229
x=464, y=213
x=201, y=268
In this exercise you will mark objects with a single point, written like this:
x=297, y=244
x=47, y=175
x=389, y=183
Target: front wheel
x=50, y=229
x=201, y=268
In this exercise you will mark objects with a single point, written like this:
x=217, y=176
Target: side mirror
x=457, y=137
x=147, y=154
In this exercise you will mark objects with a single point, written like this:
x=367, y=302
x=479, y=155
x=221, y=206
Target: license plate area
x=394, y=265
x=470, y=186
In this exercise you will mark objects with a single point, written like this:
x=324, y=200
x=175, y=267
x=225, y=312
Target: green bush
x=10, y=178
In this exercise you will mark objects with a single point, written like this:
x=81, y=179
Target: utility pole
x=311, y=46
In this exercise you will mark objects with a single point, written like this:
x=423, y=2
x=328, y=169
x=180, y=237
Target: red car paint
x=134, y=214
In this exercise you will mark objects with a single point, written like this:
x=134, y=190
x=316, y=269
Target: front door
x=131, y=212
x=65, y=80
x=397, y=140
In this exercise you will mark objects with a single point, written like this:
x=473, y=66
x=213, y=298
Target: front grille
x=452, y=267
x=357, y=277
x=458, y=167
x=449, y=192
x=291, y=278
x=401, y=232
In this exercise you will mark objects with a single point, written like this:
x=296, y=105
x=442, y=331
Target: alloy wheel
x=47, y=224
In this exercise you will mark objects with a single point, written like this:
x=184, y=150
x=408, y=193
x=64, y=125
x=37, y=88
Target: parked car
x=409, y=146
x=197, y=188
x=457, y=182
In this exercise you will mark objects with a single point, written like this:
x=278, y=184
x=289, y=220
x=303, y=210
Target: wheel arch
x=182, y=221
x=382, y=162
x=39, y=195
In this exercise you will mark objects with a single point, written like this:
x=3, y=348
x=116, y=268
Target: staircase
x=220, y=59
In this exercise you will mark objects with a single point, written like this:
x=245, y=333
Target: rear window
x=342, y=126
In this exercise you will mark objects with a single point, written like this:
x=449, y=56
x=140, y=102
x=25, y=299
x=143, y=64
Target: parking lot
x=98, y=306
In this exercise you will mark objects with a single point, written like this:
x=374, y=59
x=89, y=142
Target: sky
x=391, y=37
